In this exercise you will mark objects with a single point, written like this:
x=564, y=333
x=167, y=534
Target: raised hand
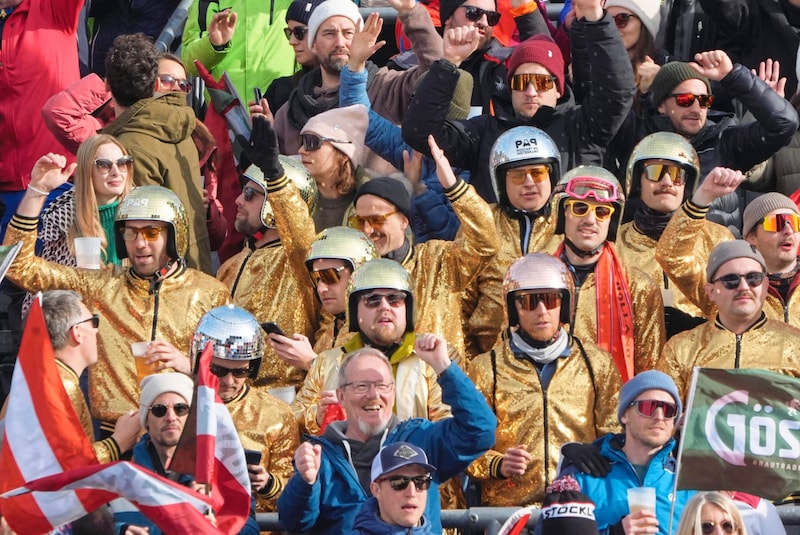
x=714, y=64
x=403, y=6
x=221, y=27
x=718, y=182
x=447, y=178
x=365, y=43
x=51, y=171
x=262, y=147
x=645, y=74
x=295, y=350
x=459, y=43
x=432, y=349
x=770, y=72
x=307, y=460
x=589, y=9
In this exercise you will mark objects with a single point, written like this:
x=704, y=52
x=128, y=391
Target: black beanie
x=388, y=189
x=567, y=511
x=300, y=10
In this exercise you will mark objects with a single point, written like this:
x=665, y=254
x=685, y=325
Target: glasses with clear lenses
x=654, y=172
x=373, y=300
x=647, y=408
x=531, y=301
x=299, y=32
x=541, y=82
x=708, y=527
x=732, y=280
x=622, y=19
x=777, y=222
x=222, y=371
x=602, y=212
x=312, y=142
x=401, y=482
x=160, y=410
x=95, y=319
x=184, y=86
x=249, y=192
x=474, y=14
x=362, y=387
x=685, y=100
x=147, y=233
x=538, y=173
x=105, y=165
x=328, y=275
x=375, y=221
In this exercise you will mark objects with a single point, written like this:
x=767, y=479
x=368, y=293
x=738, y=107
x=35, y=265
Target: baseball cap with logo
x=397, y=455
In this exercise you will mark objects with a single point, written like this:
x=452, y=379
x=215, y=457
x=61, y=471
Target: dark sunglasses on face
x=183, y=85
x=551, y=300
x=299, y=32
x=708, y=527
x=647, y=408
x=95, y=319
x=777, y=222
x=249, y=192
x=148, y=233
x=582, y=208
x=312, y=142
x=622, y=19
x=685, y=100
x=474, y=14
x=541, y=82
x=104, y=164
x=374, y=300
x=327, y=275
x=222, y=371
x=375, y=221
x=160, y=410
x=731, y=281
x=401, y=482
x=654, y=172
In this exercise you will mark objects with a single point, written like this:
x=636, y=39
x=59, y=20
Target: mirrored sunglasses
x=732, y=280
x=312, y=142
x=708, y=527
x=531, y=301
x=474, y=14
x=184, y=86
x=654, y=172
x=375, y=221
x=685, y=100
x=327, y=275
x=622, y=19
x=602, y=212
x=401, y=482
x=95, y=319
x=586, y=187
x=647, y=408
x=777, y=222
x=374, y=300
x=222, y=371
x=249, y=192
x=148, y=233
x=541, y=82
x=104, y=164
x=299, y=32
x=538, y=173
x=160, y=410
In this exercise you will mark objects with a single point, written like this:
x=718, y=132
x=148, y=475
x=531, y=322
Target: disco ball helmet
x=593, y=184
x=662, y=146
x=296, y=173
x=342, y=243
x=235, y=334
x=539, y=272
x=379, y=274
x=154, y=203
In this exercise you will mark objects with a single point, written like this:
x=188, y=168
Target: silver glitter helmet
x=342, y=243
x=379, y=274
x=296, y=173
x=592, y=183
x=235, y=334
x=542, y=272
x=154, y=203
x=662, y=146
x=517, y=147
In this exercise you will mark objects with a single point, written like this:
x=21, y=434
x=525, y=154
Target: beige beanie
x=347, y=125
x=159, y=383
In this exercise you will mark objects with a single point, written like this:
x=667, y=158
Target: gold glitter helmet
x=379, y=274
x=594, y=184
x=517, y=147
x=539, y=271
x=662, y=146
x=154, y=203
x=342, y=243
x=234, y=333
x=296, y=173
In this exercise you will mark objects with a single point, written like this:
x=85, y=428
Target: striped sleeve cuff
x=695, y=211
x=457, y=191
x=24, y=223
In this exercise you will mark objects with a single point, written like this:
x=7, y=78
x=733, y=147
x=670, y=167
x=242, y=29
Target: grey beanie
x=670, y=76
x=728, y=250
x=649, y=380
x=762, y=205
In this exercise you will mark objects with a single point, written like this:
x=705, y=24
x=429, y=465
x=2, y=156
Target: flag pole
x=685, y=418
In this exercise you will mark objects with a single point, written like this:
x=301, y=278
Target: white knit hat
x=648, y=11
x=159, y=383
x=332, y=8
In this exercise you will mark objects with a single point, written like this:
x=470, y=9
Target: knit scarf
x=650, y=222
x=543, y=355
x=614, y=309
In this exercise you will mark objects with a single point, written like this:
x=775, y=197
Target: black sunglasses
x=401, y=482
x=708, y=527
x=731, y=281
x=95, y=319
x=622, y=19
x=685, y=100
x=299, y=32
x=474, y=14
x=222, y=371
x=312, y=142
x=250, y=192
x=160, y=410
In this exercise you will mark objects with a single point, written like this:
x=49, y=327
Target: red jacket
x=38, y=58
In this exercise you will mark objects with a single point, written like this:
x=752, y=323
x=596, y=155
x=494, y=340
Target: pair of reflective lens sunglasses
x=654, y=172
x=373, y=300
x=95, y=319
x=299, y=32
x=312, y=142
x=685, y=100
x=222, y=371
x=362, y=387
x=732, y=280
x=327, y=275
x=401, y=482
x=184, y=86
x=622, y=19
x=602, y=212
x=708, y=527
x=375, y=221
x=249, y=192
x=777, y=222
x=531, y=301
x=160, y=410
x=541, y=82
x=148, y=233
x=104, y=164
x=474, y=14
x=585, y=187
x=538, y=173
x=647, y=408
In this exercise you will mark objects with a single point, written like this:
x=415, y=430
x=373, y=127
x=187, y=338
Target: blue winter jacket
x=610, y=493
x=368, y=522
x=331, y=504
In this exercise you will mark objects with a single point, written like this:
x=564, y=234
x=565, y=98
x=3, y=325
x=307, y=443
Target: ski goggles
x=541, y=82
x=647, y=408
x=685, y=100
x=777, y=222
x=654, y=172
x=474, y=14
x=602, y=212
x=530, y=301
x=732, y=280
x=328, y=275
x=402, y=482
x=585, y=187
x=539, y=174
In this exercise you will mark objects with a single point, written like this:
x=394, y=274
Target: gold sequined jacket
x=637, y=249
x=266, y=424
x=326, y=337
x=686, y=265
x=769, y=344
x=418, y=394
x=483, y=307
x=442, y=270
x=580, y=404
x=105, y=450
x=129, y=311
x=272, y=282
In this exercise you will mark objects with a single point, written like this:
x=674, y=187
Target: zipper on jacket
x=546, y=438
x=738, y=351
x=156, y=293
x=241, y=270
x=786, y=312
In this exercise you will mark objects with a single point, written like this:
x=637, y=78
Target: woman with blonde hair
x=711, y=513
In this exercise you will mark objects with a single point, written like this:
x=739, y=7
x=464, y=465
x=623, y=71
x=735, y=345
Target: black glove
x=587, y=458
x=677, y=321
x=262, y=148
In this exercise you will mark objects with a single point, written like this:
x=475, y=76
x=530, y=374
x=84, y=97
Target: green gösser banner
x=742, y=432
